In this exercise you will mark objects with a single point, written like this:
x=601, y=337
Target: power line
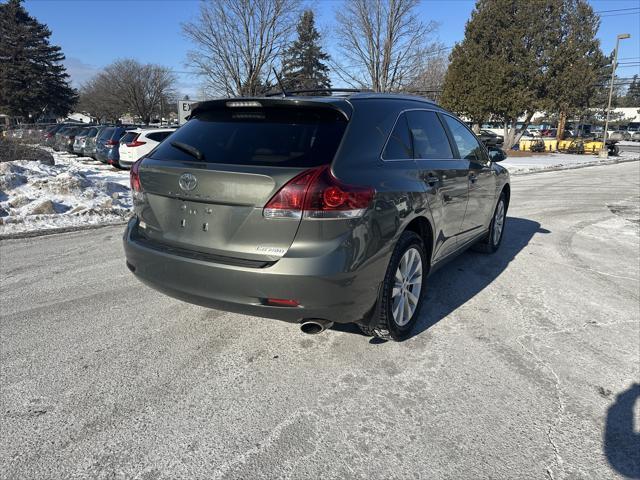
x=620, y=14
x=618, y=10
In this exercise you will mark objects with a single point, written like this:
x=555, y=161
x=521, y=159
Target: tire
x=491, y=242
x=383, y=323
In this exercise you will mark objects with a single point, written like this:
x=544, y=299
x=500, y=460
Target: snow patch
x=75, y=192
x=556, y=161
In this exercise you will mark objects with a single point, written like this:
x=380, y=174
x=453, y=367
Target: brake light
x=111, y=143
x=134, y=177
x=135, y=142
x=316, y=193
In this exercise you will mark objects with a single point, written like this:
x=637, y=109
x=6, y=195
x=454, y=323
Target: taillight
x=135, y=142
x=316, y=193
x=134, y=177
x=111, y=143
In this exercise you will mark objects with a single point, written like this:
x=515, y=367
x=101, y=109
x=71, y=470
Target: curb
x=56, y=231
x=574, y=167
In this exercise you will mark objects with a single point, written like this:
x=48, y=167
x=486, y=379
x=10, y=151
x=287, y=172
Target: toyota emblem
x=187, y=182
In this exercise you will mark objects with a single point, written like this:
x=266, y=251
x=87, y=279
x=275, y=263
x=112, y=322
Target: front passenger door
x=481, y=179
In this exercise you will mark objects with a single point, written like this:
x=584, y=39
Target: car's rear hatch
x=248, y=150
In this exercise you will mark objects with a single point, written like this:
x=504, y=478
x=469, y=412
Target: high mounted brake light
x=243, y=104
x=317, y=194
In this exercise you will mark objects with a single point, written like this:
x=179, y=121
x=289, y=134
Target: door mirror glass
x=497, y=154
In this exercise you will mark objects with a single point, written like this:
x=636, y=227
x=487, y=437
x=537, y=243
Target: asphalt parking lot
x=525, y=363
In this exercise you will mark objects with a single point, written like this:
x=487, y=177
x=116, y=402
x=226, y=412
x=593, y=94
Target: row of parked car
x=116, y=145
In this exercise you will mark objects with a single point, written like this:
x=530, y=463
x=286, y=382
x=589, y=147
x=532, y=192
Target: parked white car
x=135, y=144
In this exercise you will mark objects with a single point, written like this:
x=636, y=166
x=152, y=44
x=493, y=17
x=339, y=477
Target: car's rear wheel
x=402, y=292
x=491, y=242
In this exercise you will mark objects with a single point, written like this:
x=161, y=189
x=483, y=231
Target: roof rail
x=318, y=90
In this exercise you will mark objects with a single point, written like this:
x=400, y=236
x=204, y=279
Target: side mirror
x=497, y=154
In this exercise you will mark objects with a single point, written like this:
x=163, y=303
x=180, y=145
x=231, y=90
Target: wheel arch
x=422, y=227
x=507, y=194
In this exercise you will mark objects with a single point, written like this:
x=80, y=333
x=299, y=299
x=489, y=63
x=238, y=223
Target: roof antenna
x=284, y=92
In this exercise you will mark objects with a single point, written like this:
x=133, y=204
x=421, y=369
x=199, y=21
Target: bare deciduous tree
x=381, y=43
x=430, y=79
x=238, y=41
x=127, y=86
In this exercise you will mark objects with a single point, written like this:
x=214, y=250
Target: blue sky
x=94, y=33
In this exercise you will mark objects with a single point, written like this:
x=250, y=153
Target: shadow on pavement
x=621, y=440
x=466, y=276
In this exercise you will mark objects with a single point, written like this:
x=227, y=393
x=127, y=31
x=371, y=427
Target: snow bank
x=558, y=161
x=74, y=192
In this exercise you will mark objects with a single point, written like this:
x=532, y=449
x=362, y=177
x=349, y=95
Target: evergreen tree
x=303, y=66
x=575, y=62
x=496, y=72
x=32, y=77
x=632, y=98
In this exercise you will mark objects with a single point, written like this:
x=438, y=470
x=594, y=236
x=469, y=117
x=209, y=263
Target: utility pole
x=622, y=36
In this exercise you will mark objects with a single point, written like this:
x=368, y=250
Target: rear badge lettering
x=271, y=250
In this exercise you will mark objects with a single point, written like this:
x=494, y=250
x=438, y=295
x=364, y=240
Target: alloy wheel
x=407, y=286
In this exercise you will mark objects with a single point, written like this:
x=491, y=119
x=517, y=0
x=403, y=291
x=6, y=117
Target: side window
x=429, y=138
x=158, y=136
x=399, y=143
x=468, y=145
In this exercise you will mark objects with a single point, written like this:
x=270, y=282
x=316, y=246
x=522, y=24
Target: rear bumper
x=341, y=297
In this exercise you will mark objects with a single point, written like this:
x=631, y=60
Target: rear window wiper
x=193, y=151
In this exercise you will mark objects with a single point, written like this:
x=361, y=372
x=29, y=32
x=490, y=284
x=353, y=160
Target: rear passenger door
x=444, y=177
x=481, y=179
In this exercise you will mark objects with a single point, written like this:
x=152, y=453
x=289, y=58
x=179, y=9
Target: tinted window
x=158, y=136
x=399, y=144
x=106, y=133
x=269, y=136
x=467, y=143
x=128, y=137
x=429, y=137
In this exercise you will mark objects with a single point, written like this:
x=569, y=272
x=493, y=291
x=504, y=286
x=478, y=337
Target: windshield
x=270, y=136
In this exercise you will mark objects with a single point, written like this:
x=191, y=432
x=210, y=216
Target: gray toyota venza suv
x=314, y=209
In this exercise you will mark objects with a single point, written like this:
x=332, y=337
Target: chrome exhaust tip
x=315, y=326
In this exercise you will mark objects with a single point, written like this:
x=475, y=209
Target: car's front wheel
x=402, y=292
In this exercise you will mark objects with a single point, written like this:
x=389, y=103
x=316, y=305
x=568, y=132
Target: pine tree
x=575, y=61
x=632, y=98
x=303, y=66
x=496, y=72
x=32, y=77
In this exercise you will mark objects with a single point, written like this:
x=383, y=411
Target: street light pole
x=622, y=36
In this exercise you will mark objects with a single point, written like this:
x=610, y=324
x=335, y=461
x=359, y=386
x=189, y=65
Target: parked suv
x=314, y=209
x=136, y=143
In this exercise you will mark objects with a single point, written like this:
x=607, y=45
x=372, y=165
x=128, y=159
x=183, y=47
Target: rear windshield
x=128, y=137
x=269, y=136
x=106, y=133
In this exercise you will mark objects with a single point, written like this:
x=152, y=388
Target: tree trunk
x=562, y=123
x=512, y=134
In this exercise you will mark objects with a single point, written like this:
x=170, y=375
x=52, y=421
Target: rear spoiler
x=339, y=105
